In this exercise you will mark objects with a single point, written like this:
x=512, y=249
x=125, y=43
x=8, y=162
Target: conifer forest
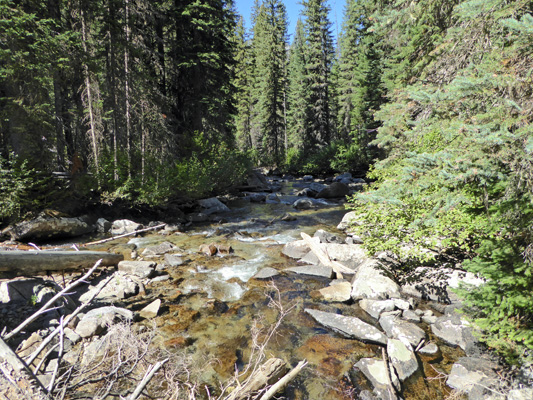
x=151, y=101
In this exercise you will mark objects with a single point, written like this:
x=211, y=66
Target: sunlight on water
x=243, y=270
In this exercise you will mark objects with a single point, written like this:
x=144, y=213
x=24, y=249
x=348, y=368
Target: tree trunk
x=127, y=85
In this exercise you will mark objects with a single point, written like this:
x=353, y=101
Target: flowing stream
x=212, y=306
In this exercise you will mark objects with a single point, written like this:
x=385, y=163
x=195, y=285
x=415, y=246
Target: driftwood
x=31, y=263
x=324, y=258
x=266, y=374
x=152, y=228
x=280, y=385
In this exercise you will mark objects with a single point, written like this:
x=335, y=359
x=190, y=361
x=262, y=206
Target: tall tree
x=319, y=60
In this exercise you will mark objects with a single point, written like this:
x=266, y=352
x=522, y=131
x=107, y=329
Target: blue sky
x=244, y=7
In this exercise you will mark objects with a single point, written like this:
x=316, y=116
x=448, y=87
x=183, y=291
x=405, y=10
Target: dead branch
x=124, y=235
x=152, y=370
x=45, y=307
x=280, y=385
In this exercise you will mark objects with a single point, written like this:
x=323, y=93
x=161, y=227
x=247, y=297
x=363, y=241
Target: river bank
x=213, y=285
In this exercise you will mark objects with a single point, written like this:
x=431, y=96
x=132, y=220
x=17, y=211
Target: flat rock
x=142, y=269
x=266, y=273
x=376, y=372
x=456, y=331
x=371, y=282
x=376, y=307
x=474, y=376
x=151, y=310
x=339, y=292
x=313, y=270
x=174, y=260
x=123, y=226
x=158, y=249
x=402, y=357
x=403, y=330
x=351, y=327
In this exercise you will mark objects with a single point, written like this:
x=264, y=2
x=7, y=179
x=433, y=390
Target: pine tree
x=270, y=57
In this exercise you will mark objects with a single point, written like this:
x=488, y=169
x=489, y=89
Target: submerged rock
x=351, y=327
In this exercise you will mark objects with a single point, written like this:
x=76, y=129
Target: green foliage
x=23, y=189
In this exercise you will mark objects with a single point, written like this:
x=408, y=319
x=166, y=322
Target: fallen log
x=32, y=263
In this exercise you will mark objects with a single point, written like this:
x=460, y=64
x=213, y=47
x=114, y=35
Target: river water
x=212, y=307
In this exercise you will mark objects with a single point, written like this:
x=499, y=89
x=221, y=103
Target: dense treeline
x=158, y=98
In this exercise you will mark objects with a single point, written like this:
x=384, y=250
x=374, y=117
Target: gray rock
x=351, y=255
x=429, y=349
x=96, y=320
x=314, y=270
x=351, y=218
x=272, y=198
x=376, y=307
x=72, y=335
x=213, y=206
x=317, y=187
x=402, y=357
x=376, y=372
x=403, y=330
x=303, y=204
x=410, y=315
x=435, y=284
x=103, y=225
x=306, y=192
x=151, y=310
x=339, y=292
x=296, y=249
x=256, y=197
x=310, y=258
x=173, y=260
x=123, y=226
x=333, y=191
x=429, y=319
x=142, y=269
x=327, y=237
x=344, y=176
x=44, y=227
x=402, y=304
x=371, y=282
x=351, y=327
x=120, y=287
x=266, y=273
x=158, y=249
x=456, y=331
x=474, y=376
x=308, y=178
x=257, y=180
x=520, y=394
x=34, y=291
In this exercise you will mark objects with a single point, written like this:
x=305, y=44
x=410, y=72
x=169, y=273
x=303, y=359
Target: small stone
x=151, y=310
x=208, y=249
x=411, y=316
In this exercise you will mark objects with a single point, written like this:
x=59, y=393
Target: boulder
x=456, y=331
x=44, y=228
x=402, y=357
x=257, y=180
x=313, y=270
x=303, y=204
x=376, y=372
x=333, y=191
x=341, y=177
x=351, y=255
x=266, y=273
x=474, y=376
x=317, y=187
x=119, y=287
x=123, y=226
x=376, y=307
x=103, y=225
x=339, y=292
x=256, y=197
x=159, y=249
x=142, y=269
x=372, y=282
x=399, y=329
x=435, y=284
x=306, y=192
x=97, y=320
x=351, y=218
x=351, y=327
x=327, y=237
x=296, y=249
x=33, y=291
x=151, y=310
x=212, y=206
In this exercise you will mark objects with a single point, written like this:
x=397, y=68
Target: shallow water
x=212, y=305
